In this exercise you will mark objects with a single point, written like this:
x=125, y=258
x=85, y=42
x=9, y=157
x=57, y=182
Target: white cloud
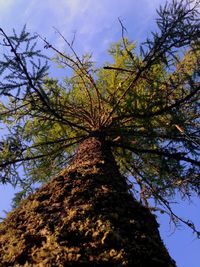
x=96, y=22
x=6, y=4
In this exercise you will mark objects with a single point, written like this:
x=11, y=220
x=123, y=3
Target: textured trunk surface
x=83, y=217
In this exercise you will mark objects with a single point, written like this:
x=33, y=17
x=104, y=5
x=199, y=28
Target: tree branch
x=177, y=156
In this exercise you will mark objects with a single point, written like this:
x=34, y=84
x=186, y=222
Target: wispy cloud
x=4, y=5
x=96, y=22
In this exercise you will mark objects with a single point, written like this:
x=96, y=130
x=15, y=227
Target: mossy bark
x=85, y=216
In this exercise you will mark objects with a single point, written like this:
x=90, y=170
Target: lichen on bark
x=85, y=216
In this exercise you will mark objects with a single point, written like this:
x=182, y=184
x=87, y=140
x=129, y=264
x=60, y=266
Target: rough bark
x=85, y=216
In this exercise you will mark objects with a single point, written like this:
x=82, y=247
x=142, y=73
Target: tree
x=138, y=114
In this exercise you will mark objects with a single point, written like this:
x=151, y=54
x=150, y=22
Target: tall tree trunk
x=83, y=217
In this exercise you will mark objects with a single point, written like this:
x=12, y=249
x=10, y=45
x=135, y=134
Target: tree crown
x=144, y=103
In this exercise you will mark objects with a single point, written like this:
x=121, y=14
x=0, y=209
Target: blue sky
x=96, y=26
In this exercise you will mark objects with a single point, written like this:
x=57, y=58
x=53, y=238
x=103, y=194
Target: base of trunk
x=83, y=217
